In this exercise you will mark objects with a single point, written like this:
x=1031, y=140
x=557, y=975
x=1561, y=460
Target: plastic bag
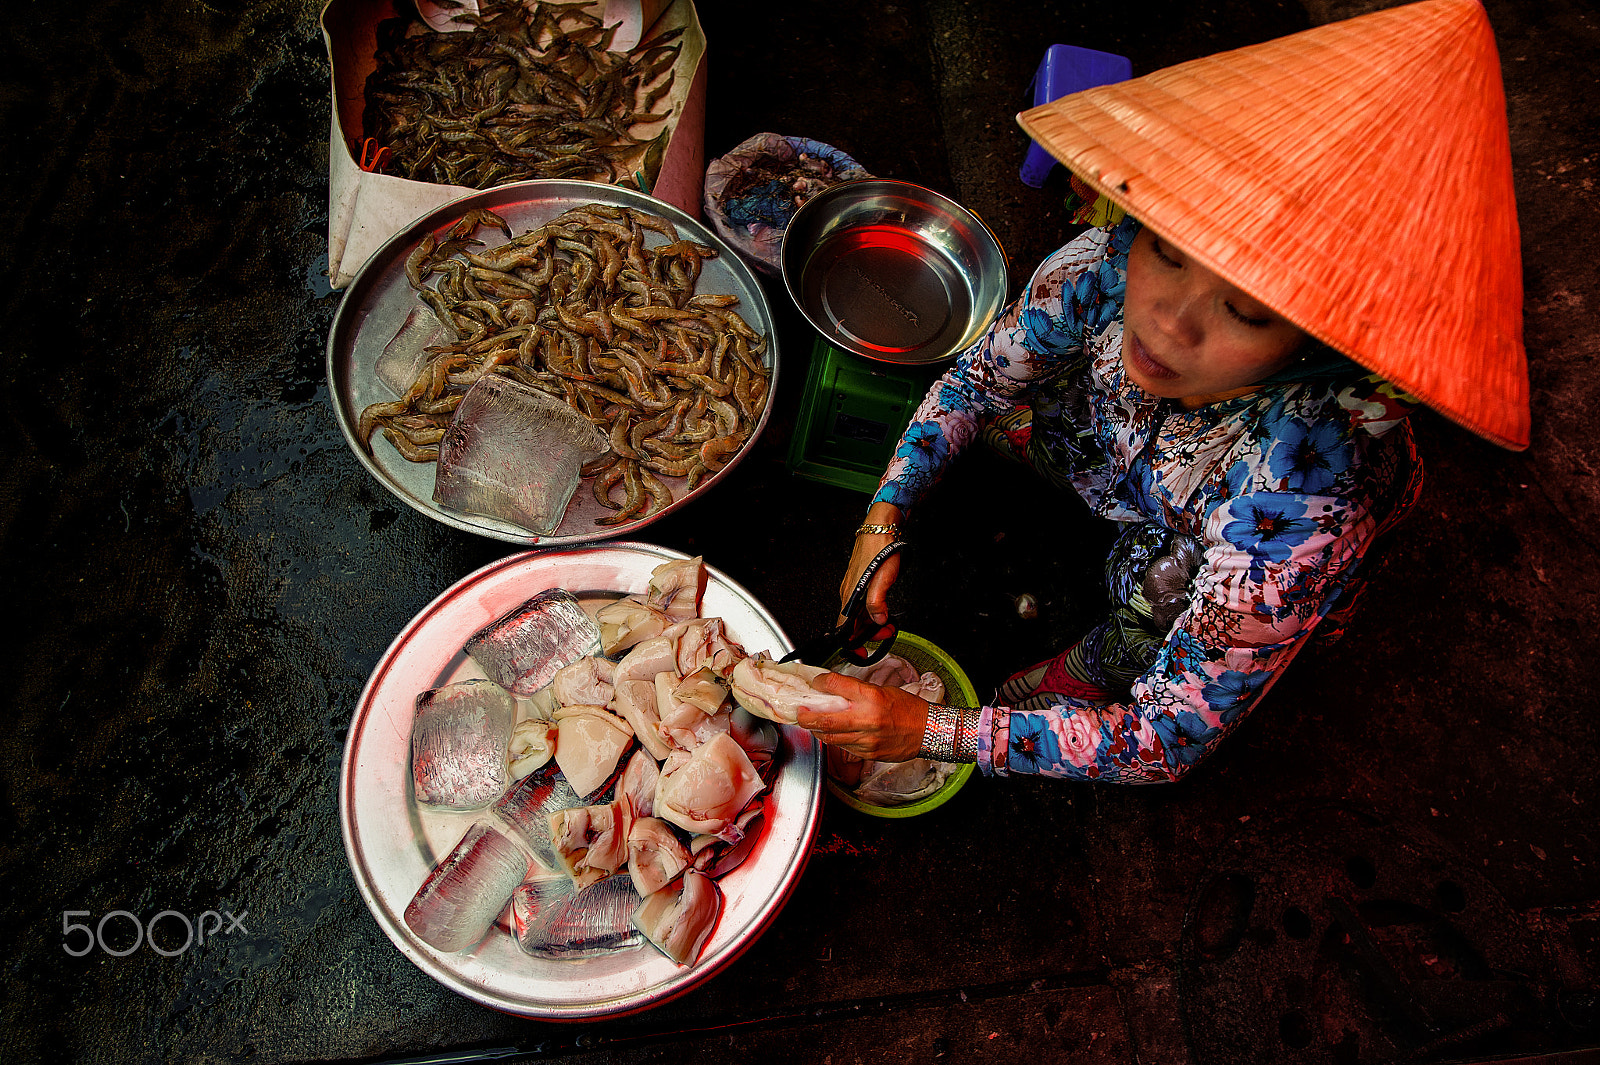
x=752, y=192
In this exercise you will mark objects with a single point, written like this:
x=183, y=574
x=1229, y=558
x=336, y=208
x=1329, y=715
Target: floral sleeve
x=1073, y=295
x=1273, y=564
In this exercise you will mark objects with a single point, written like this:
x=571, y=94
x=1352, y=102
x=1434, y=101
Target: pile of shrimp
x=531, y=91
x=583, y=309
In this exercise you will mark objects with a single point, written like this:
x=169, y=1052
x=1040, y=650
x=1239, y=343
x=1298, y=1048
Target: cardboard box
x=366, y=208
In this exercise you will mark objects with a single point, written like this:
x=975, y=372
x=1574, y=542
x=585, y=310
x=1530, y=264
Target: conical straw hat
x=1356, y=178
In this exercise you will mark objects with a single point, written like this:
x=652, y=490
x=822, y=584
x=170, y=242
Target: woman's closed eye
x=1255, y=323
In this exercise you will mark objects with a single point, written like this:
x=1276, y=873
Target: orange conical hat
x=1356, y=178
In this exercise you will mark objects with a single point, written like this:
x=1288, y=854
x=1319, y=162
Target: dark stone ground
x=203, y=577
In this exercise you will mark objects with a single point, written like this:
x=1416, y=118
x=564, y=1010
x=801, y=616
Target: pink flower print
x=1078, y=736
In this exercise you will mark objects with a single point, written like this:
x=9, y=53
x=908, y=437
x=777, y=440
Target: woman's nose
x=1178, y=317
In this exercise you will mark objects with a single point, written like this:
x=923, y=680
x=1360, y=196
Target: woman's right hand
x=866, y=548
x=880, y=724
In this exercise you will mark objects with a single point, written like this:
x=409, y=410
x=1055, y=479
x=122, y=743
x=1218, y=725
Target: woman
x=1184, y=375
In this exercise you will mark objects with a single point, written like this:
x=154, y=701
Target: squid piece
x=647, y=659
x=699, y=728
x=891, y=671
x=691, y=708
x=655, y=855
x=897, y=783
x=591, y=842
x=627, y=622
x=705, y=790
x=635, y=698
x=635, y=703
x=638, y=783
x=541, y=703
x=894, y=671
x=759, y=738
x=679, y=919
x=590, y=741
x=717, y=855
x=777, y=690
x=586, y=682
x=929, y=686
x=701, y=688
x=533, y=744
x=676, y=588
x=704, y=642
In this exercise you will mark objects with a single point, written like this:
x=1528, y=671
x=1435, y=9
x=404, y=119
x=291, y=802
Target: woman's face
x=1189, y=335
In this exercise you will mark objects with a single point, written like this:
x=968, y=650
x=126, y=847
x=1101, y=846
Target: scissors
x=849, y=638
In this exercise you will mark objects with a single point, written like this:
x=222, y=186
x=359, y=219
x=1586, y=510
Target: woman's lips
x=1144, y=361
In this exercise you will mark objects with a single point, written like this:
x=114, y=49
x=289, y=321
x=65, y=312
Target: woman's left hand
x=881, y=724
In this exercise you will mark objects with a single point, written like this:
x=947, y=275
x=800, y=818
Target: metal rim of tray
x=390, y=852
x=378, y=300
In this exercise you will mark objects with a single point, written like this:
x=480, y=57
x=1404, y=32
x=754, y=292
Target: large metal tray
x=392, y=843
x=377, y=303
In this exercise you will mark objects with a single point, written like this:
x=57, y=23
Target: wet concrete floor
x=202, y=577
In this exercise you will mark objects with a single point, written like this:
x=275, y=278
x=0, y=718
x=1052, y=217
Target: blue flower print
x=1053, y=336
x=1181, y=654
x=1238, y=477
x=951, y=397
x=1087, y=304
x=1309, y=456
x=1122, y=240
x=1269, y=526
x=1137, y=488
x=1232, y=693
x=1113, y=285
x=1033, y=746
x=1184, y=735
x=923, y=446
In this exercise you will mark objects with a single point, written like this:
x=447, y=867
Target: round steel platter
x=392, y=843
x=380, y=301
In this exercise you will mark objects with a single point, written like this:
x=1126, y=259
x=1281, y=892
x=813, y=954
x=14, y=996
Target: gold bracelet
x=880, y=530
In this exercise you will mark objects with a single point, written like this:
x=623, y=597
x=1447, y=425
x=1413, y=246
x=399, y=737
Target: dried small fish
x=586, y=310
x=530, y=91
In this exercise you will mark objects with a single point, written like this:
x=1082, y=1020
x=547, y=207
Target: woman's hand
x=881, y=724
x=866, y=548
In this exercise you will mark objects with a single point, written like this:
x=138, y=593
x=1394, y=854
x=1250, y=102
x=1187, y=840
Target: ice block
x=523, y=649
x=459, y=901
x=403, y=357
x=458, y=744
x=514, y=453
x=527, y=806
x=551, y=920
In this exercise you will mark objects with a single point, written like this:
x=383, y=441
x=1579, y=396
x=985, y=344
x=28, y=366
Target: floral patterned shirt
x=1284, y=487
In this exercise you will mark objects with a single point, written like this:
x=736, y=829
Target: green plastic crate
x=852, y=415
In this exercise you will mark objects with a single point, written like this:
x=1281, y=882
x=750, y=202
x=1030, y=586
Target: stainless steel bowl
x=392, y=842
x=893, y=271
